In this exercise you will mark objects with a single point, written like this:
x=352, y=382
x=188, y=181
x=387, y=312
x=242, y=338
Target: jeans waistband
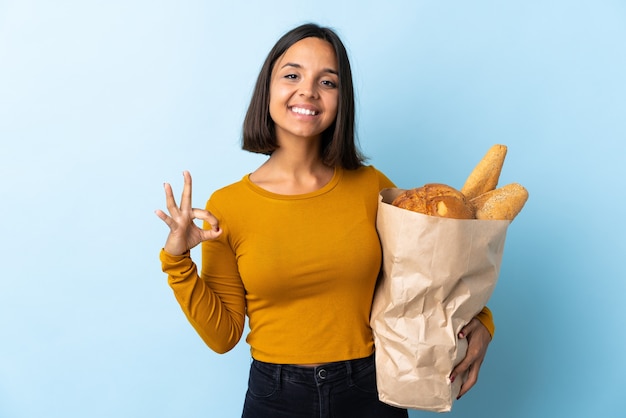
x=328, y=372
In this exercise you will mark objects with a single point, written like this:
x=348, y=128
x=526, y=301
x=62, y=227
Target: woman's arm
x=215, y=308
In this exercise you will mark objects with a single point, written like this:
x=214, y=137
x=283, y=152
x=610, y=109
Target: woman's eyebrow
x=296, y=65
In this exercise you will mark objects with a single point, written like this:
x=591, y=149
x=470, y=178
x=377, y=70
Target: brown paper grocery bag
x=437, y=274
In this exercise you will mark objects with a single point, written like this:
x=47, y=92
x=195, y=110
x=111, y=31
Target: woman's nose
x=308, y=89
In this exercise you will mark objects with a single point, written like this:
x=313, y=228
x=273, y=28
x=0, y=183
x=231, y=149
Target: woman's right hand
x=184, y=233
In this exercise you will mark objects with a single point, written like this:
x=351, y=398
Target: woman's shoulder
x=371, y=174
x=231, y=193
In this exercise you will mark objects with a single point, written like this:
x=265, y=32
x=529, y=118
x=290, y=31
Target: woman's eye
x=329, y=83
x=291, y=76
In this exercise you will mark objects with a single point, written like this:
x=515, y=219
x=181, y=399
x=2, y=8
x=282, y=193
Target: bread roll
x=503, y=203
x=436, y=199
x=485, y=175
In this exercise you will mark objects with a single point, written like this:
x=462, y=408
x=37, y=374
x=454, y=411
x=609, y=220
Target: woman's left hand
x=478, y=339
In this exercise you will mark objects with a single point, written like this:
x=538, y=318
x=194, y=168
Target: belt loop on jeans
x=348, y=372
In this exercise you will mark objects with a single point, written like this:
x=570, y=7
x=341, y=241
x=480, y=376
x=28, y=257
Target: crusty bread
x=436, y=199
x=484, y=177
x=503, y=203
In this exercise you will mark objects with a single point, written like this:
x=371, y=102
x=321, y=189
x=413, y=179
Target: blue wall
x=101, y=102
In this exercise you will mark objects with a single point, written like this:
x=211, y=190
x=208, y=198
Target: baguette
x=486, y=174
x=503, y=203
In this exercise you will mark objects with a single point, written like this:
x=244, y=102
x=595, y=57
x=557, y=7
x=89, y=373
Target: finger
x=211, y=232
x=472, y=378
x=185, y=202
x=471, y=366
x=170, y=202
x=207, y=217
x=460, y=368
x=163, y=216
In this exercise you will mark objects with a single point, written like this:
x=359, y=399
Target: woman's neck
x=291, y=173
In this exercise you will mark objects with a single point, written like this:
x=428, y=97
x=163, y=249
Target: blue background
x=103, y=101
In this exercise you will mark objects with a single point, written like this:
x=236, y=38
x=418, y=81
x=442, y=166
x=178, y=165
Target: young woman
x=293, y=245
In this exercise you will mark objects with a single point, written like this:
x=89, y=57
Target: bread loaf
x=503, y=203
x=436, y=199
x=484, y=177
x=478, y=199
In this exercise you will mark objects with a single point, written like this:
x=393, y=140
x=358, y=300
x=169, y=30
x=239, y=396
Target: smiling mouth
x=307, y=112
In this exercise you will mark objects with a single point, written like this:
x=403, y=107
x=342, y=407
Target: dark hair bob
x=338, y=147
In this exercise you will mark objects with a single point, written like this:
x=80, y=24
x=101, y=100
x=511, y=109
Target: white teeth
x=303, y=111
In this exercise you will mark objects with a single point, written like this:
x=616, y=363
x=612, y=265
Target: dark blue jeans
x=336, y=390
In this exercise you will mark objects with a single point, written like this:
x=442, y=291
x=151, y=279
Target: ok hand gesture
x=184, y=233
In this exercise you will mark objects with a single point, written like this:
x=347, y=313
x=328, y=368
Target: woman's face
x=304, y=90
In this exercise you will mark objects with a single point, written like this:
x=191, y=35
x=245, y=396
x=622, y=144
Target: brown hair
x=338, y=147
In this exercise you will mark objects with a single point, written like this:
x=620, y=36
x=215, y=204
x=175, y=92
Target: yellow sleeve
x=486, y=318
x=215, y=310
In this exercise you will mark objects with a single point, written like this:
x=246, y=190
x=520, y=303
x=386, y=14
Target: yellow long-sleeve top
x=302, y=267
